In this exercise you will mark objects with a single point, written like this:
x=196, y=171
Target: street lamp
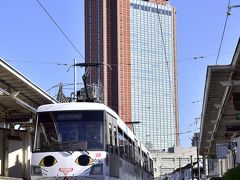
x=230, y=8
x=133, y=122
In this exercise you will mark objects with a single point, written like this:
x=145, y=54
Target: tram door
x=112, y=147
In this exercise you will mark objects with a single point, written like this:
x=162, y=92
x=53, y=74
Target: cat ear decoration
x=48, y=161
x=84, y=160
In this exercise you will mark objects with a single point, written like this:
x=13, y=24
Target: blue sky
x=199, y=30
x=33, y=45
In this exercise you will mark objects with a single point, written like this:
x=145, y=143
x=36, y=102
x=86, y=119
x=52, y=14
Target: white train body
x=86, y=141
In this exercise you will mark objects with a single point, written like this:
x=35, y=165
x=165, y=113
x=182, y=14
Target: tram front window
x=69, y=131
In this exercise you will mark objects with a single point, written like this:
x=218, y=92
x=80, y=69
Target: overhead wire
x=202, y=57
x=38, y=62
x=192, y=102
x=180, y=133
x=60, y=63
x=167, y=63
x=190, y=130
x=194, y=125
x=63, y=84
x=112, y=64
x=223, y=33
x=64, y=34
x=164, y=45
x=180, y=60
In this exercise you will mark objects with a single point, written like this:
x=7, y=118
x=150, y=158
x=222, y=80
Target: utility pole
x=75, y=81
x=199, y=174
x=180, y=174
x=192, y=175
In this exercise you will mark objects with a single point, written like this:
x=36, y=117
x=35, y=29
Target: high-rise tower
x=107, y=40
x=135, y=40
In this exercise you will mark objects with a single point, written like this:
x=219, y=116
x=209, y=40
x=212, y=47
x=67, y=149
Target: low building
x=167, y=161
x=188, y=172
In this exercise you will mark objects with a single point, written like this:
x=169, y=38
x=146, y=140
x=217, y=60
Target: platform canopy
x=19, y=97
x=220, y=118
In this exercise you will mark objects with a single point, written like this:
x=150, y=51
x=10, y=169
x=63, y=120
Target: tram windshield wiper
x=80, y=149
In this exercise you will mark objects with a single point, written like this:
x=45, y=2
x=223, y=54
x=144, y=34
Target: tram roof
x=218, y=111
x=18, y=95
x=75, y=106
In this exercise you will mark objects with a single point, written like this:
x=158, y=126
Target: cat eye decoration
x=48, y=161
x=84, y=160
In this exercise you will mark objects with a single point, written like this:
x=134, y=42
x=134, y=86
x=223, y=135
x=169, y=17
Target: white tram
x=76, y=141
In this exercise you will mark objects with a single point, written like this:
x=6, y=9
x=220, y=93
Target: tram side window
x=126, y=145
x=121, y=142
x=131, y=156
x=110, y=138
x=137, y=156
x=145, y=161
x=112, y=135
x=123, y=145
x=133, y=152
x=136, y=153
x=148, y=164
x=115, y=139
x=151, y=166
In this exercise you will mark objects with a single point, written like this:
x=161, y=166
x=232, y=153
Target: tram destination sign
x=19, y=119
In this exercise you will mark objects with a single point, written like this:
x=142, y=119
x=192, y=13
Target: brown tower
x=107, y=40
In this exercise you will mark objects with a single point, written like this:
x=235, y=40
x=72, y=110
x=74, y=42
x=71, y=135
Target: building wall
x=124, y=60
x=153, y=71
x=237, y=151
x=107, y=40
x=226, y=154
x=214, y=169
x=165, y=162
x=94, y=38
x=224, y=160
x=15, y=153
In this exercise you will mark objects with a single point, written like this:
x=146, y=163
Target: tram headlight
x=96, y=169
x=36, y=171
